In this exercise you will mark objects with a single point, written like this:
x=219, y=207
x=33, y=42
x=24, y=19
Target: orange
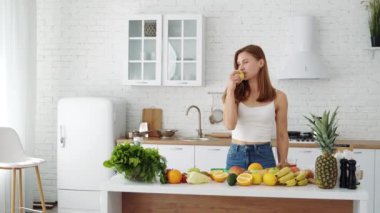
x=220, y=176
x=244, y=179
x=255, y=166
x=174, y=176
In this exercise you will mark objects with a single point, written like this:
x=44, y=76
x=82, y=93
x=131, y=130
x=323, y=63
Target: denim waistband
x=250, y=146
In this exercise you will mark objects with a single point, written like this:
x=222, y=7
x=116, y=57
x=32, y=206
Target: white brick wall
x=79, y=53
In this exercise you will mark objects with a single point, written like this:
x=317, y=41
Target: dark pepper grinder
x=352, y=174
x=343, y=180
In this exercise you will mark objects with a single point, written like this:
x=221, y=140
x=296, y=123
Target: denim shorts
x=243, y=155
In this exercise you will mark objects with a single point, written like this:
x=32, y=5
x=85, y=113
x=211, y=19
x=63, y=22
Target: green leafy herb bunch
x=137, y=163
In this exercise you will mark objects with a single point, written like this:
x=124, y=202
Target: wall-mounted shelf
x=372, y=50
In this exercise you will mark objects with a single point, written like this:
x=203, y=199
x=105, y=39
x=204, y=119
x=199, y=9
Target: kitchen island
x=120, y=195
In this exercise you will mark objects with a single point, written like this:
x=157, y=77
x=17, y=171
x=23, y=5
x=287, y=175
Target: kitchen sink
x=193, y=139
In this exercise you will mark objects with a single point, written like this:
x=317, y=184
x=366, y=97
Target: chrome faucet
x=199, y=119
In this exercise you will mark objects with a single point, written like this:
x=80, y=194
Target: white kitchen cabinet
x=207, y=157
x=179, y=157
x=154, y=146
x=143, y=61
x=377, y=185
x=183, y=50
x=304, y=157
x=365, y=158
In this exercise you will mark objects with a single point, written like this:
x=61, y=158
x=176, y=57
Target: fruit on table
x=294, y=169
x=184, y=177
x=244, y=179
x=194, y=169
x=174, y=176
x=302, y=182
x=257, y=178
x=197, y=178
x=236, y=169
x=269, y=179
x=301, y=175
x=220, y=177
x=284, y=171
x=213, y=172
x=291, y=182
x=255, y=166
x=324, y=129
x=273, y=170
x=231, y=179
x=286, y=177
x=309, y=173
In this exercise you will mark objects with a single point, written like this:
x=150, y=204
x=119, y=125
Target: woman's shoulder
x=281, y=98
x=280, y=94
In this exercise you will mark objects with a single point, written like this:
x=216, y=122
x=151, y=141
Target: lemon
x=269, y=179
x=244, y=179
x=213, y=172
x=257, y=178
x=255, y=166
x=241, y=75
x=220, y=177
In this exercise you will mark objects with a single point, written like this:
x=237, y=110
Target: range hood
x=303, y=61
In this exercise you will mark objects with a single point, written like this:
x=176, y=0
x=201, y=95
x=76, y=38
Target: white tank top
x=255, y=124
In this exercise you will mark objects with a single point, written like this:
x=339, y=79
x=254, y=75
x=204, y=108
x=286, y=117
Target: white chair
x=12, y=157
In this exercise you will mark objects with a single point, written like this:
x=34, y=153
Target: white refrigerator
x=87, y=130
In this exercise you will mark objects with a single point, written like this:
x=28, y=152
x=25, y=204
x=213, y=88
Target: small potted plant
x=373, y=6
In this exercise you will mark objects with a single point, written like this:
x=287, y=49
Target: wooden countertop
x=356, y=144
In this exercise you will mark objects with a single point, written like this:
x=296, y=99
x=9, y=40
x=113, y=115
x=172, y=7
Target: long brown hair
x=243, y=90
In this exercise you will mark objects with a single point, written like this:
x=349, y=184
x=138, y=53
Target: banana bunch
x=287, y=177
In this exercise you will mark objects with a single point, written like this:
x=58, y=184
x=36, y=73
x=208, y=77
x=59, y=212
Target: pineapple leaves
x=324, y=130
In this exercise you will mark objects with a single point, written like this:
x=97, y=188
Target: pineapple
x=324, y=130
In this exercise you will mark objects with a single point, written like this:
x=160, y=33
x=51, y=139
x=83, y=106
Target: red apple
x=294, y=169
x=184, y=178
x=309, y=173
x=236, y=169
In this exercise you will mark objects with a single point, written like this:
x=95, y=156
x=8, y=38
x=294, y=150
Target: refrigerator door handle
x=62, y=139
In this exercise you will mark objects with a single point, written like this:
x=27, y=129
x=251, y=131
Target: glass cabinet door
x=144, y=50
x=183, y=50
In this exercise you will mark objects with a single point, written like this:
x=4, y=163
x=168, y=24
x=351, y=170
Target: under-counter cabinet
x=183, y=50
x=365, y=158
x=304, y=157
x=377, y=184
x=152, y=146
x=208, y=157
x=179, y=157
x=143, y=61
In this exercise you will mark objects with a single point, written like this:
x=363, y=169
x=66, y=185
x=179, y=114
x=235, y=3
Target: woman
x=251, y=108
